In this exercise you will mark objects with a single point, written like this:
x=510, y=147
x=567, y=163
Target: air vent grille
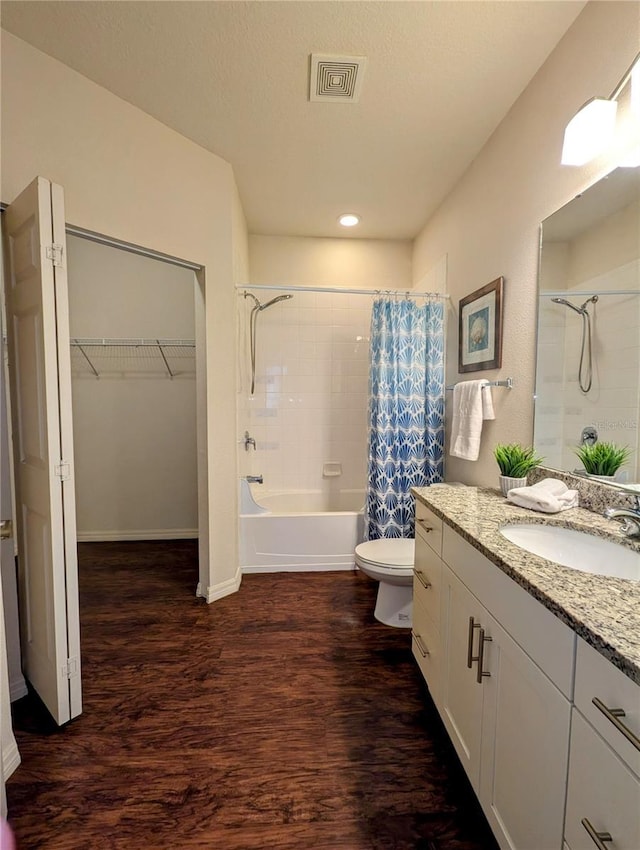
x=336, y=78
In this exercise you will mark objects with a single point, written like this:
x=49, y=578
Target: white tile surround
x=310, y=402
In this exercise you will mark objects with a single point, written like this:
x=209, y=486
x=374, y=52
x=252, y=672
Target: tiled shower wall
x=308, y=413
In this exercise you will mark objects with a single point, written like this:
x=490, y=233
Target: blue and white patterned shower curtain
x=406, y=411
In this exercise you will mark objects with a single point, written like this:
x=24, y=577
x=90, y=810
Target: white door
x=525, y=747
x=40, y=390
x=461, y=695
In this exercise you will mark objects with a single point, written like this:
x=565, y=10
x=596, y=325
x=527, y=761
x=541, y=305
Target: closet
x=132, y=328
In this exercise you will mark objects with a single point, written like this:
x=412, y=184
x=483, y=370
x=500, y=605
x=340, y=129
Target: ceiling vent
x=336, y=78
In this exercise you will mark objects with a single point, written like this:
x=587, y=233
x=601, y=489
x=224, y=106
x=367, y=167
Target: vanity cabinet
x=504, y=683
x=427, y=573
x=603, y=796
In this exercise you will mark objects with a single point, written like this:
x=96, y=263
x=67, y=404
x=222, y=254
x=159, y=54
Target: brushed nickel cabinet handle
x=420, y=643
x=423, y=524
x=424, y=581
x=483, y=639
x=597, y=837
x=470, y=656
x=614, y=715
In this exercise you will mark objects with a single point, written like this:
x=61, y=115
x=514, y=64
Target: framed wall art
x=480, y=329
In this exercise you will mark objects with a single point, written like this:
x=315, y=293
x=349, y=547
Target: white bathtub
x=299, y=531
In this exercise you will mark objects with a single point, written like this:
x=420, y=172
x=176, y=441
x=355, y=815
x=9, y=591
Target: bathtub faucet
x=255, y=479
x=249, y=441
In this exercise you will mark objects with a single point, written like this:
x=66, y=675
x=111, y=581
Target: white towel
x=549, y=496
x=470, y=408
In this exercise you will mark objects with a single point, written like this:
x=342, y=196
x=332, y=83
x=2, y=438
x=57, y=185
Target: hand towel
x=469, y=410
x=550, y=496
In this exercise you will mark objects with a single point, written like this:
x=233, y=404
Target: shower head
x=592, y=300
x=566, y=303
x=275, y=301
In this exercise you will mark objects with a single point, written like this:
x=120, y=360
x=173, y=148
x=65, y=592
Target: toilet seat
x=388, y=554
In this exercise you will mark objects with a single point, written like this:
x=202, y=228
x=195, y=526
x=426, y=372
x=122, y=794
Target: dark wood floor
x=280, y=717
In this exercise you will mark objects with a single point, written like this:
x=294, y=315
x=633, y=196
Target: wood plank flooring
x=280, y=717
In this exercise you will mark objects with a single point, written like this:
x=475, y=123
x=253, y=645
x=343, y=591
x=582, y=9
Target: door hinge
x=54, y=253
x=63, y=470
x=71, y=667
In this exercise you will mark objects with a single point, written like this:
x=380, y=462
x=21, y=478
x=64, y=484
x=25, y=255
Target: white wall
x=489, y=225
x=134, y=431
x=345, y=263
x=128, y=176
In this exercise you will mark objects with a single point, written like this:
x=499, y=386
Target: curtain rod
x=291, y=288
x=583, y=292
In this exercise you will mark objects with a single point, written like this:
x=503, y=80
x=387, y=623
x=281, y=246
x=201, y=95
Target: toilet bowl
x=390, y=562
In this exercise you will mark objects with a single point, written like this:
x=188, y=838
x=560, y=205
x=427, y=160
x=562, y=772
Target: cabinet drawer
x=425, y=643
x=602, y=790
x=429, y=527
x=427, y=578
x=597, y=678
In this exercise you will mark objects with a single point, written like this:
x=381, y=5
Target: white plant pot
x=606, y=478
x=507, y=483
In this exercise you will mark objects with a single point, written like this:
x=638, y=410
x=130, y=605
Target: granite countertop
x=604, y=611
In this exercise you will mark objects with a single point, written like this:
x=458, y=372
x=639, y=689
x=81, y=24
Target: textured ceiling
x=233, y=77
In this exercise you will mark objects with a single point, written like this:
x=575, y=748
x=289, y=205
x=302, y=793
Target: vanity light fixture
x=349, y=220
x=591, y=130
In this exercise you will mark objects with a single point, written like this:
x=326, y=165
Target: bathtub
x=306, y=531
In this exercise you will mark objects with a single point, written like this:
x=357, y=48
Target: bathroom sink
x=576, y=549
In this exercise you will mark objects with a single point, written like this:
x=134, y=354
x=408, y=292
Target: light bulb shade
x=589, y=132
x=349, y=220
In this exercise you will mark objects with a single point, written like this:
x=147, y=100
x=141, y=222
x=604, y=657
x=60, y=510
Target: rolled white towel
x=549, y=496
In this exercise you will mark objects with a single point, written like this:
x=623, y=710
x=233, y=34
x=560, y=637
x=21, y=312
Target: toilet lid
x=395, y=552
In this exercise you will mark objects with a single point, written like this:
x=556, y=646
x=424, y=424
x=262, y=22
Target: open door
x=40, y=390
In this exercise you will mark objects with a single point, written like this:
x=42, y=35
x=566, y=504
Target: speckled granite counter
x=604, y=611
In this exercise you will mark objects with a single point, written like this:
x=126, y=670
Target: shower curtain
x=406, y=411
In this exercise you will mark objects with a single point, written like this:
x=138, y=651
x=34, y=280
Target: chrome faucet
x=254, y=479
x=249, y=441
x=629, y=517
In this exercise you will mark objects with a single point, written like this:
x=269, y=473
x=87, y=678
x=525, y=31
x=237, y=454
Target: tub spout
x=255, y=479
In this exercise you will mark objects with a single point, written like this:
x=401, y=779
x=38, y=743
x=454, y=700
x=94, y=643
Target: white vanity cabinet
x=603, y=798
x=427, y=574
x=505, y=683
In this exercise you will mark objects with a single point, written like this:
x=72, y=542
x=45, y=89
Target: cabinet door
x=525, y=747
x=461, y=696
x=604, y=795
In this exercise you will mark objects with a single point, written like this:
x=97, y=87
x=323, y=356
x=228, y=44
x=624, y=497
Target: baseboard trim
x=219, y=591
x=10, y=759
x=139, y=534
x=297, y=568
x=17, y=688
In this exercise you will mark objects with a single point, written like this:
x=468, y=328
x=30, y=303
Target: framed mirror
x=588, y=349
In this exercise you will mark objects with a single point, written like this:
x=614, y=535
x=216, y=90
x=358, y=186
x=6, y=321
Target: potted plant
x=515, y=462
x=603, y=460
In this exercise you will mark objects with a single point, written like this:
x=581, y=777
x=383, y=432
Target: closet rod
x=134, y=343
x=408, y=293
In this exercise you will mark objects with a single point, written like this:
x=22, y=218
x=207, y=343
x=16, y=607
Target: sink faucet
x=630, y=518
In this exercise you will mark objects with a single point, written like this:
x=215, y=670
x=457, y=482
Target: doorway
x=133, y=369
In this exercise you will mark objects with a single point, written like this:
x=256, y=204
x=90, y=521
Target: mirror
x=588, y=352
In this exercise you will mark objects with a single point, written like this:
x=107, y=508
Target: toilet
x=390, y=561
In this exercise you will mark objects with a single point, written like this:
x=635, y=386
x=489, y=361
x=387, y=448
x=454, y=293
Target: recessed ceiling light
x=349, y=220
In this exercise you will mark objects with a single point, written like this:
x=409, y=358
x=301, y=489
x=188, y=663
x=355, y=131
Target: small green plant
x=514, y=460
x=603, y=458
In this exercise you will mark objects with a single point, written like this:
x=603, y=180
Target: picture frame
x=480, y=328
